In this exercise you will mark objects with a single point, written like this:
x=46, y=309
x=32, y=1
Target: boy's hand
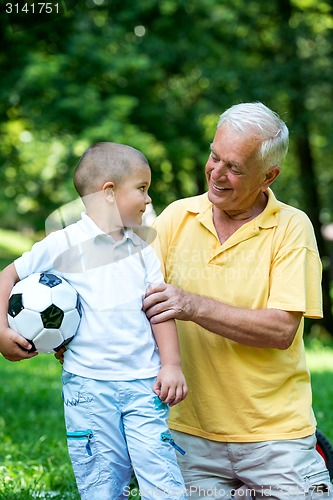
x=13, y=346
x=170, y=385
x=60, y=355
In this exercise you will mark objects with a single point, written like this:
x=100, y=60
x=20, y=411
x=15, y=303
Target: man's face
x=234, y=172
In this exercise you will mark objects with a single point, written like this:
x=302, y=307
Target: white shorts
x=279, y=470
x=112, y=426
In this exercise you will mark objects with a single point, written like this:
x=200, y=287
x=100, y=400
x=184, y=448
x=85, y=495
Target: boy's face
x=131, y=196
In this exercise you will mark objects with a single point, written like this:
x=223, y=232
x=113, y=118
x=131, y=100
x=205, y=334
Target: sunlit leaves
x=156, y=75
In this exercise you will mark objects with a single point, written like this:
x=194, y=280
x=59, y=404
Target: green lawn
x=320, y=362
x=33, y=452
x=34, y=461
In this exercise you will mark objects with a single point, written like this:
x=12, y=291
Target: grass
x=319, y=358
x=33, y=455
x=34, y=461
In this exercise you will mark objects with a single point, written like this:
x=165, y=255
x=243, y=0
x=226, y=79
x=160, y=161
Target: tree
x=157, y=75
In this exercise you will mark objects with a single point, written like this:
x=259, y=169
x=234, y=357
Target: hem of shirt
x=243, y=438
x=309, y=313
x=109, y=376
x=19, y=268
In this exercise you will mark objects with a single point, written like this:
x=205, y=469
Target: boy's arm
x=170, y=384
x=12, y=345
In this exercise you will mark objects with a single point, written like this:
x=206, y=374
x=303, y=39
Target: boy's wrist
x=172, y=365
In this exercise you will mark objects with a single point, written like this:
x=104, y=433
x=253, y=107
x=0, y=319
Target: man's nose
x=219, y=172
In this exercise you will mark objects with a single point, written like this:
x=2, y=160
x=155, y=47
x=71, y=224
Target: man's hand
x=163, y=302
x=170, y=385
x=13, y=346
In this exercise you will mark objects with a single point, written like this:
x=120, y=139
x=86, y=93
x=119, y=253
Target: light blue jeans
x=114, y=426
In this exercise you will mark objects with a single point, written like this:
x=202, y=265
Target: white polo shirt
x=114, y=340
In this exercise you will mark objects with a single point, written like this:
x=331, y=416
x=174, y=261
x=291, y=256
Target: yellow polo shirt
x=239, y=393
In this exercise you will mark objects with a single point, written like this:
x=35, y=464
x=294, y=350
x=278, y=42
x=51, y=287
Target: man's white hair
x=256, y=118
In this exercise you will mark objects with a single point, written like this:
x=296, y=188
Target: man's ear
x=270, y=176
x=108, y=190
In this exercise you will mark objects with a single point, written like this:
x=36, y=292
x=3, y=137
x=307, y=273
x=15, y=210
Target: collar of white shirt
x=94, y=232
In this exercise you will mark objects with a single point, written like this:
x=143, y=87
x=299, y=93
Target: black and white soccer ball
x=45, y=309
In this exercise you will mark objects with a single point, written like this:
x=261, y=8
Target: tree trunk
x=301, y=134
x=313, y=210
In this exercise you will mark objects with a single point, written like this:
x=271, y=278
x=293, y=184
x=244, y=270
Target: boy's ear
x=108, y=189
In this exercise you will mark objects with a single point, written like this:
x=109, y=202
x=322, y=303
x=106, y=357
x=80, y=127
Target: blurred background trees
x=157, y=75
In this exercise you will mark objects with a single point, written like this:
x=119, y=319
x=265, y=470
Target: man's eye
x=214, y=157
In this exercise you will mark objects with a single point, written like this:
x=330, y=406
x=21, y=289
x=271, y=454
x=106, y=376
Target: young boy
x=117, y=385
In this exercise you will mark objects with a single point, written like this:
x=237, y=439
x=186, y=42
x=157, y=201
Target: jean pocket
x=166, y=437
x=318, y=482
x=85, y=436
x=84, y=458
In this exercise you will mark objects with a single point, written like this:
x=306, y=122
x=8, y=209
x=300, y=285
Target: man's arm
x=170, y=384
x=267, y=328
x=12, y=345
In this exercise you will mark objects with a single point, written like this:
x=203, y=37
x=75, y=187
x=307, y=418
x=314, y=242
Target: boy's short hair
x=105, y=161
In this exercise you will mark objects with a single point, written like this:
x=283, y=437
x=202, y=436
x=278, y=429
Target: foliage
x=12, y=245
x=156, y=75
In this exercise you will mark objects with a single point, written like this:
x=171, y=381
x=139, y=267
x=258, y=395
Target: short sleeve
x=38, y=259
x=153, y=266
x=296, y=271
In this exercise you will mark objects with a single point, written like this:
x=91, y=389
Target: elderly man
x=243, y=271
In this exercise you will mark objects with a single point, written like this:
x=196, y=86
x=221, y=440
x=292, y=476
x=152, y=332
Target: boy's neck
x=107, y=226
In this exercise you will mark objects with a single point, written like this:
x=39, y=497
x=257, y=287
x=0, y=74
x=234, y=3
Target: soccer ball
x=45, y=309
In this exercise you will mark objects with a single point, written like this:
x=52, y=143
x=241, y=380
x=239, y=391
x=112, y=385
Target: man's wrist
x=192, y=303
